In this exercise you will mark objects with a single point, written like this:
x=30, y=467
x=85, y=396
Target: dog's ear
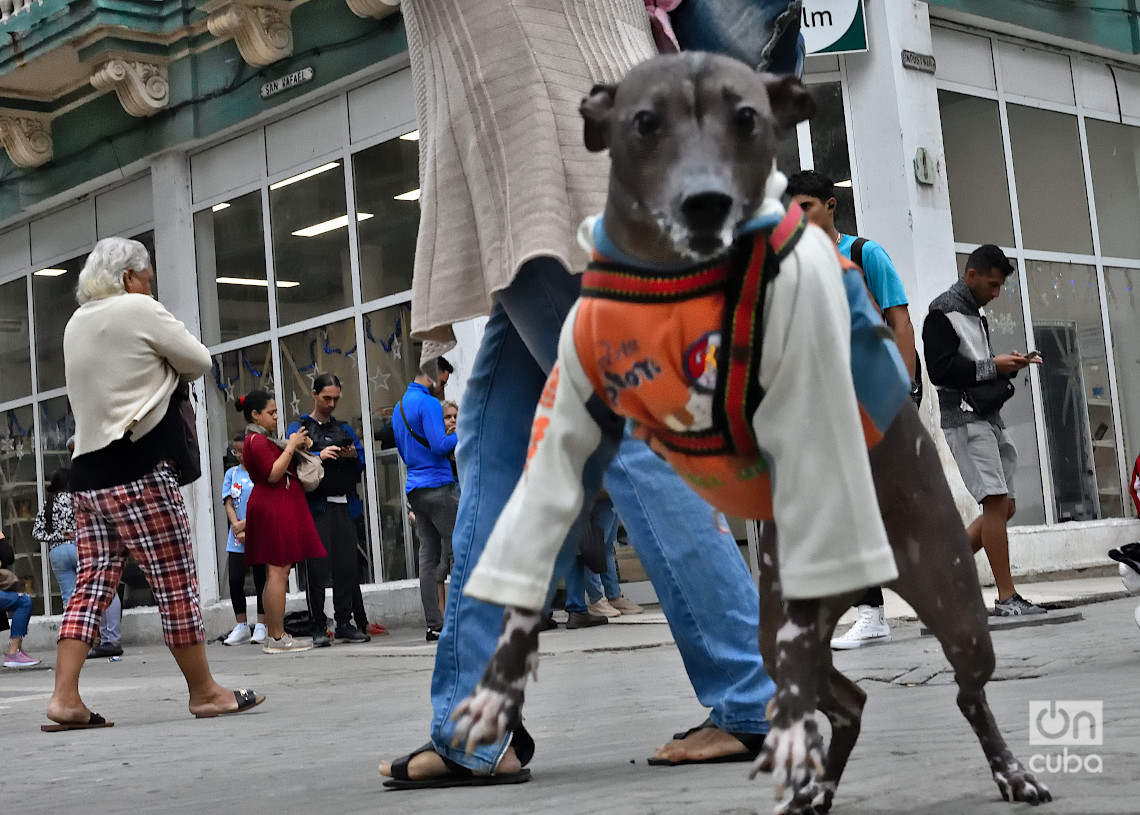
x=790, y=100
x=595, y=110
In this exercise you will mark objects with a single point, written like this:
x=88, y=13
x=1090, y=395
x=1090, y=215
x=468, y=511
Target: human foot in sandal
x=708, y=744
x=426, y=769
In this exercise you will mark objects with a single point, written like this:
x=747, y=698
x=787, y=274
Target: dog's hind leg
x=495, y=706
x=938, y=578
x=840, y=699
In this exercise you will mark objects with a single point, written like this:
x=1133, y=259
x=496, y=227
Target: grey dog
x=692, y=139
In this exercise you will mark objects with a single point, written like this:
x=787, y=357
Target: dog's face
x=692, y=137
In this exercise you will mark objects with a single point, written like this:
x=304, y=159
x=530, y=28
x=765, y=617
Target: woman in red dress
x=279, y=528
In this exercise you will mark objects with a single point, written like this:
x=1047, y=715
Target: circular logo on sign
x=700, y=362
x=824, y=22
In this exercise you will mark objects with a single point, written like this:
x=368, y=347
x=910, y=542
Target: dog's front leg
x=495, y=706
x=793, y=749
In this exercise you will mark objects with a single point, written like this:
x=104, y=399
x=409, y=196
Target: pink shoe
x=19, y=660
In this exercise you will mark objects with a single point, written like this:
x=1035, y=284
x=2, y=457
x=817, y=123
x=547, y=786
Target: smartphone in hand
x=1032, y=354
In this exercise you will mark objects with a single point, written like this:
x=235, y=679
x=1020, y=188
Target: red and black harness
x=743, y=275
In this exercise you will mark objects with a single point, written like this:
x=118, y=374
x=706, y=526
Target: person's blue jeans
x=21, y=607
x=704, y=586
x=65, y=562
x=580, y=581
x=605, y=584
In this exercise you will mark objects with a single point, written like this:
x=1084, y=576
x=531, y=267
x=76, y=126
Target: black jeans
x=236, y=567
x=337, y=531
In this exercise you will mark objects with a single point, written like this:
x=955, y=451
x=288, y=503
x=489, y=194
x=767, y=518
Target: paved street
x=606, y=697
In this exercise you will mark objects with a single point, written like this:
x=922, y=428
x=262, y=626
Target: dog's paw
x=794, y=756
x=1018, y=784
x=484, y=717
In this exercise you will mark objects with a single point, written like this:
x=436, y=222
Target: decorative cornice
x=11, y=7
x=26, y=137
x=373, y=8
x=142, y=87
x=261, y=28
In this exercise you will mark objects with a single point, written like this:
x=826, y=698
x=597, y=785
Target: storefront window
x=19, y=499
x=1050, y=181
x=1007, y=333
x=53, y=299
x=331, y=349
x=57, y=425
x=15, y=348
x=386, y=179
x=1067, y=330
x=234, y=374
x=975, y=169
x=233, y=292
x=829, y=150
x=392, y=359
x=1122, y=290
x=1114, y=155
x=310, y=243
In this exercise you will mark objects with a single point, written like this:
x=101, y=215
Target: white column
x=178, y=288
x=894, y=111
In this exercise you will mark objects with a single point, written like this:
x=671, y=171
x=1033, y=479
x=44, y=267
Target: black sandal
x=753, y=743
x=459, y=776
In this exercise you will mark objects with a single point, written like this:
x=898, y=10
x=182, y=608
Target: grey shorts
x=985, y=456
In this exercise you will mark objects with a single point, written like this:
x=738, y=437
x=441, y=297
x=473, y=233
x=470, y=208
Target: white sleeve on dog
x=831, y=535
x=517, y=564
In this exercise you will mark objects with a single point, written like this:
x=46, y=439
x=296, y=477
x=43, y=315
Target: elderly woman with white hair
x=124, y=355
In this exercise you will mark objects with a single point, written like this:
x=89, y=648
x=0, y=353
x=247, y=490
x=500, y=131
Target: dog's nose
x=706, y=211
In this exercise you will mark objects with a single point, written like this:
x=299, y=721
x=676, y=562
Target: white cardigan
x=123, y=356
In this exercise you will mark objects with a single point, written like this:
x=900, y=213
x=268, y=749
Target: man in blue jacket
x=433, y=494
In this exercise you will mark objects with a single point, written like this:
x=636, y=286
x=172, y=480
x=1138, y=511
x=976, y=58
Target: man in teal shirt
x=815, y=193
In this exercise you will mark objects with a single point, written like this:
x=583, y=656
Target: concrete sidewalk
x=607, y=696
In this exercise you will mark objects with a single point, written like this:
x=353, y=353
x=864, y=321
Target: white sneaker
x=870, y=629
x=287, y=645
x=603, y=608
x=260, y=633
x=240, y=635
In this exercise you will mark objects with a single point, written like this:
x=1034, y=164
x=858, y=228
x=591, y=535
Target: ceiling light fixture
x=329, y=226
x=413, y=195
x=307, y=174
x=50, y=272
x=413, y=136
x=846, y=183
x=219, y=207
x=253, y=281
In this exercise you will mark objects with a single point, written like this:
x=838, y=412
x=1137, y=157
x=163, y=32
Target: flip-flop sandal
x=246, y=700
x=754, y=742
x=460, y=776
x=93, y=721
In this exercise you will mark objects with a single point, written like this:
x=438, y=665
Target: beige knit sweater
x=123, y=356
x=503, y=169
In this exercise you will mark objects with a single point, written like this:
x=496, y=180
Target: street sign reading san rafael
x=833, y=26
x=286, y=82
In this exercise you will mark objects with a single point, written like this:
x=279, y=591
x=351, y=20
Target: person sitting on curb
x=18, y=603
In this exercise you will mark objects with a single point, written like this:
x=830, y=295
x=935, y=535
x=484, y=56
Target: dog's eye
x=647, y=123
x=746, y=120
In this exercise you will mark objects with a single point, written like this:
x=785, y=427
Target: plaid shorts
x=148, y=519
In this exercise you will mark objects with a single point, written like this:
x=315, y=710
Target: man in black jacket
x=972, y=386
